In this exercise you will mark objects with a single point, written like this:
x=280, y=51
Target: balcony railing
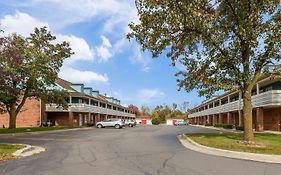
x=80, y=107
x=269, y=98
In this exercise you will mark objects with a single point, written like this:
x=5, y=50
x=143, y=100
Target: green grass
x=33, y=129
x=265, y=143
x=7, y=150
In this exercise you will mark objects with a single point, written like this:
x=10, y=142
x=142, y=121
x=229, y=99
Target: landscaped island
x=264, y=143
x=7, y=150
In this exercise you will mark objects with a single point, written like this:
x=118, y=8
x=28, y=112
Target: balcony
x=80, y=107
x=269, y=98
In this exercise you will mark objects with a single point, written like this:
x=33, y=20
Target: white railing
x=79, y=107
x=269, y=98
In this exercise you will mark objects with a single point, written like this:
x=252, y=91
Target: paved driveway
x=142, y=150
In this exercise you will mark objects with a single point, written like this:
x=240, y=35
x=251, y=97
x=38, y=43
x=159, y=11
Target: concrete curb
x=28, y=150
x=190, y=144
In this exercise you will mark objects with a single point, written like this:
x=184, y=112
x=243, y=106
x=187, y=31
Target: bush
x=218, y=125
x=208, y=124
x=240, y=128
x=225, y=126
x=155, y=121
x=228, y=126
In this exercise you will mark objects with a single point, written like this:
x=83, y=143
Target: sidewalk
x=233, y=130
x=41, y=132
x=218, y=129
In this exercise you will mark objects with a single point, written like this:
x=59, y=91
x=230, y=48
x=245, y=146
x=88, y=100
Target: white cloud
x=20, y=23
x=24, y=24
x=80, y=47
x=78, y=76
x=103, y=51
x=139, y=57
x=116, y=12
x=149, y=95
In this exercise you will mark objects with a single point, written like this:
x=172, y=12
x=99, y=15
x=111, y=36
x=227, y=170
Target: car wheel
x=117, y=126
x=99, y=126
x=130, y=125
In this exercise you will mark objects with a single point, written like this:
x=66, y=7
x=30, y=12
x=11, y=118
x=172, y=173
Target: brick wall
x=29, y=116
x=272, y=119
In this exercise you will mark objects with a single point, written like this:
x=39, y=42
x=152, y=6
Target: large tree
x=223, y=44
x=28, y=69
x=135, y=109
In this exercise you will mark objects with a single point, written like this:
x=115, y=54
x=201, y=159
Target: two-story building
x=86, y=107
x=227, y=108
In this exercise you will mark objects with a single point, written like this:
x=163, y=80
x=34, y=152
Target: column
x=259, y=119
x=214, y=119
x=229, y=118
x=220, y=118
x=208, y=119
x=89, y=118
x=70, y=118
x=240, y=118
x=204, y=120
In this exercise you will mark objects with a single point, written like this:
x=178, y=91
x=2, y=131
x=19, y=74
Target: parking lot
x=140, y=150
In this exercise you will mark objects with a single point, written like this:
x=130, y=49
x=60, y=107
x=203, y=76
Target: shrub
x=225, y=126
x=240, y=128
x=218, y=125
x=208, y=124
x=155, y=121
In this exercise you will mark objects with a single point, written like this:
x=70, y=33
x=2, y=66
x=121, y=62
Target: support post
x=70, y=118
x=259, y=119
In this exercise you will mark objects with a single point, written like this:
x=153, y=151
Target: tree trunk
x=13, y=116
x=247, y=114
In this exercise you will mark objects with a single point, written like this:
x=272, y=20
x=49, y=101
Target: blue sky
x=104, y=59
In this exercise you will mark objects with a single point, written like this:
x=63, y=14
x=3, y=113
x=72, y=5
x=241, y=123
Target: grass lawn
x=265, y=143
x=7, y=150
x=33, y=129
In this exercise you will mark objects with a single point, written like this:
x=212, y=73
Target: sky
x=104, y=59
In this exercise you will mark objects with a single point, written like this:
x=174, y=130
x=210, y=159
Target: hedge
x=208, y=124
x=225, y=126
x=155, y=121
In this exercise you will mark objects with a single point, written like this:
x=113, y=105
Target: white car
x=130, y=122
x=181, y=123
x=116, y=123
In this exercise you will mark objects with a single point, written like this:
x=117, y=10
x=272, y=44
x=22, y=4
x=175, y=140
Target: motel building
x=86, y=107
x=228, y=108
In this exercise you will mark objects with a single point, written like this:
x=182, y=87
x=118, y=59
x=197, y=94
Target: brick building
x=227, y=108
x=86, y=107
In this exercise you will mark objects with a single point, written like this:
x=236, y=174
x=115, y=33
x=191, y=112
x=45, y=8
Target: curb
x=190, y=144
x=28, y=150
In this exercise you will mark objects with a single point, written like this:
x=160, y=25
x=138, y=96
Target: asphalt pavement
x=141, y=150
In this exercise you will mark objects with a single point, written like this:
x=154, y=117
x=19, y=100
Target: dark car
x=46, y=123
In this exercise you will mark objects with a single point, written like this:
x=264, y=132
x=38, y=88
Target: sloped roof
x=65, y=84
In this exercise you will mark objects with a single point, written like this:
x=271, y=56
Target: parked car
x=116, y=123
x=46, y=123
x=180, y=123
x=130, y=122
